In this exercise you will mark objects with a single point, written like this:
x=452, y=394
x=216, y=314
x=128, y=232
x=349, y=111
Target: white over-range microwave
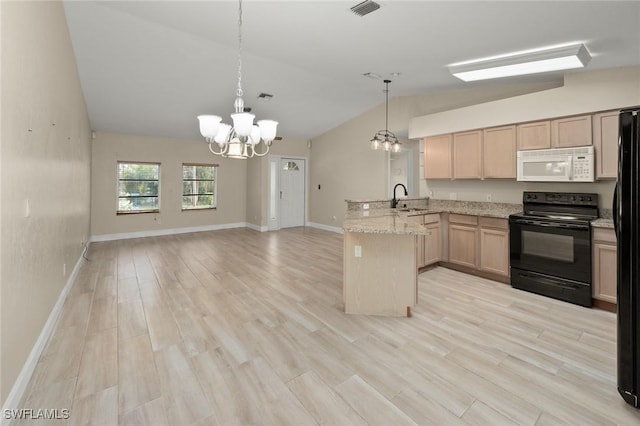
x=557, y=165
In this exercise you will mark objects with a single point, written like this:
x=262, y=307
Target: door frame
x=273, y=218
x=410, y=188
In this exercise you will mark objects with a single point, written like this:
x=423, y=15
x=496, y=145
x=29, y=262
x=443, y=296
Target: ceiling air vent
x=365, y=7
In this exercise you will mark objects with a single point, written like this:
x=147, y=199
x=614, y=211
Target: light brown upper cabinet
x=437, y=157
x=499, y=152
x=605, y=141
x=467, y=155
x=571, y=131
x=535, y=135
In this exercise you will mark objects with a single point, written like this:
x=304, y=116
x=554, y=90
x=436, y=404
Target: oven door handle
x=550, y=224
x=551, y=282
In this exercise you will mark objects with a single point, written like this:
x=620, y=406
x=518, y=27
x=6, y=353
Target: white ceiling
x=149, y=67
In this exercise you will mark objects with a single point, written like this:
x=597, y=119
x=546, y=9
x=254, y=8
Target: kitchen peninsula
x=380, y=271
x=381, y=246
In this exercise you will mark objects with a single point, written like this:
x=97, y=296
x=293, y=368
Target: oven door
x=556, y=248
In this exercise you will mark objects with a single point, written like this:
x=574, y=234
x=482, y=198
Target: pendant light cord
x=386, y=122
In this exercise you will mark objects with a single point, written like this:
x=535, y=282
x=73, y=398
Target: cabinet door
x=571, y=131
x=419, y=241
x=467, y=151
x=535, y=135
x=437, y=157
x=605, y=141
x=462, y=245
x=494, y=251
x=605, y=282
x=499, y=152
x=432, y=244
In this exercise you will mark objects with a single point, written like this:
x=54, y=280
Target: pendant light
x=384, y=139
x=241, y=139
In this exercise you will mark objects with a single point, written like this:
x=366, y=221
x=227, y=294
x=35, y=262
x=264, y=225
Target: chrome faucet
x=394, y=201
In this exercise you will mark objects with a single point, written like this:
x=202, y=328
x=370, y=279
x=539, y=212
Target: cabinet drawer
x=432, y=218
x=494, y=222
x=605, y=235
x=463, y=219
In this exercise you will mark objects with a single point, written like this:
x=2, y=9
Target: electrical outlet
x=430, y=193
x=489, y=198
x=365, y=206
x=453, y=196
x=333, y=218
x=358, y=251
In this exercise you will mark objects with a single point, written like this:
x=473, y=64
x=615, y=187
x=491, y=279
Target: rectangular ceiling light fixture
x=531, y=62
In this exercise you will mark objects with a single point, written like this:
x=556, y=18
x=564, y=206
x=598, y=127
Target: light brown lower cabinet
x=419, y=241
x=463, y=237
x=605, y=282
x=428, y=246
x=494, y=245
x=479, y=243
x=433, y=241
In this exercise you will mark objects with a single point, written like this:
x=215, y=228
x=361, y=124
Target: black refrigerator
x=626, y=217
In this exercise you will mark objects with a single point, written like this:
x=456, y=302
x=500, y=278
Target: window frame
x=215, y=186
x=118, y=180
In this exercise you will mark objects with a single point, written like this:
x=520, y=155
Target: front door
x=292, y=185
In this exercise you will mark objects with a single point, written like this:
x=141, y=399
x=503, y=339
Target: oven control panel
x=565, y=198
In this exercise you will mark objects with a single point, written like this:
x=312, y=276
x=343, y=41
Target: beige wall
x=109, y=148
x=344, y=167
x=45, y=159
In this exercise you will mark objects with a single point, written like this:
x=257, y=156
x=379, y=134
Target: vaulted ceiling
x=149, y=67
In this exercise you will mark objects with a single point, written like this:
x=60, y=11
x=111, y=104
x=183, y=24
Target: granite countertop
x=473, y=208
x=602, y=223
x=393, y=221
x=382, y=221
x=385, y=220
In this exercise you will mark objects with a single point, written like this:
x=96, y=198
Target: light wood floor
x=241, y=327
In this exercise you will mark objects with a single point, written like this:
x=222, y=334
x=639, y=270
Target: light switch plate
x=358, y=251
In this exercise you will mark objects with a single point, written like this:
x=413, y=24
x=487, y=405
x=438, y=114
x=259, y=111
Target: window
x=291, y=165
x=138, y=187
x=199, y=186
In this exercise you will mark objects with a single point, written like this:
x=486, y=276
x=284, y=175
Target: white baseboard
x=22, y=381
x=257, y=227
x=159, y=232
x=325, y=227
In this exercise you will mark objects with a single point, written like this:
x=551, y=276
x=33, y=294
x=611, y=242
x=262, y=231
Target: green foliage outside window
x=138, y=187
x=198, y=186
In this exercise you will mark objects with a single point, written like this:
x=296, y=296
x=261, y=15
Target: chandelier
x=384, y=139
x=241, y=139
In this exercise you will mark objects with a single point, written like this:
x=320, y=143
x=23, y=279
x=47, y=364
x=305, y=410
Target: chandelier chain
x=239, y=89
x=386, y=122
